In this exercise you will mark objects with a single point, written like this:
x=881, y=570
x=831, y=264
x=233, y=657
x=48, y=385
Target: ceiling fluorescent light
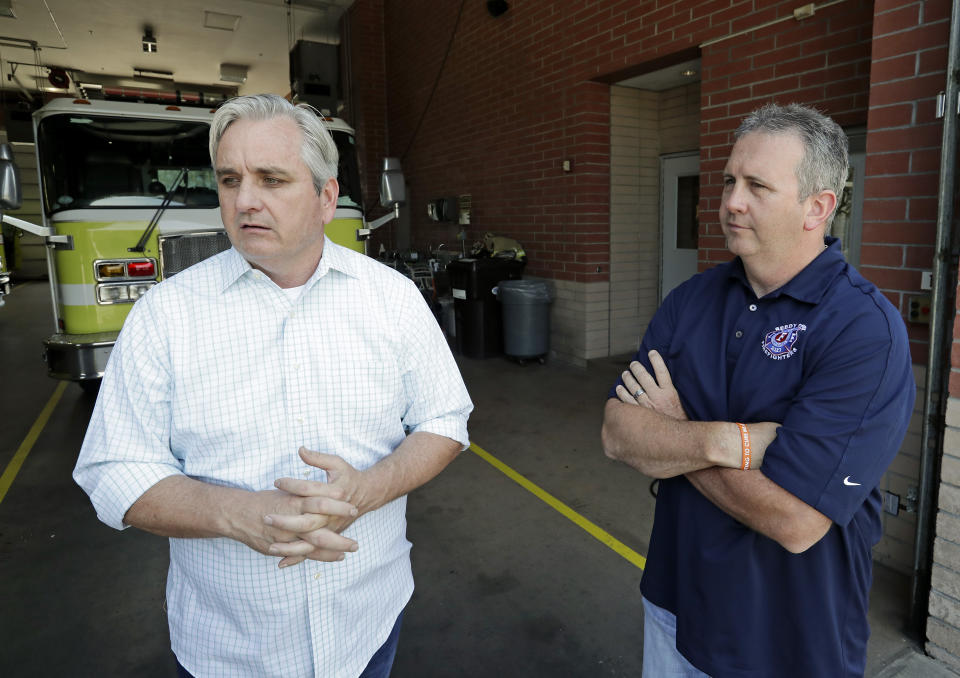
x=150, y=73
x=6, y=9
x=233, y=73
x=220, y=22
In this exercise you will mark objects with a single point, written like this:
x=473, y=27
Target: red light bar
x=141, y=269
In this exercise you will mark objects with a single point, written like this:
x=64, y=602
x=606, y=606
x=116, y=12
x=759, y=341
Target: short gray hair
x=825, y=162
x=317, y=150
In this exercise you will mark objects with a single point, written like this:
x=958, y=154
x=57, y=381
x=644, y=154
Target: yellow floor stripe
x=13, y=468
x=594, y=530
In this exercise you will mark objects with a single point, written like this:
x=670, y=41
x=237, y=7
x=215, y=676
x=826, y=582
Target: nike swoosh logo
x=847, y=481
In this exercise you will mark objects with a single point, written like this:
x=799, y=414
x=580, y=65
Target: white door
x=679, y=219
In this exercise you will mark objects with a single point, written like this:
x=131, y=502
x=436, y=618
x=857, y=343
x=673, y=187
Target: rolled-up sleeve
x=126, y=449
x=437, y=398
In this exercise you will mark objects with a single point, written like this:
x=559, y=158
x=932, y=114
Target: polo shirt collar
x=810, y=284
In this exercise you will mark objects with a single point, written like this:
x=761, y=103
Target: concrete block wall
x=943, y=625
x=896, y=548
x=643, y=126
x=634, y=204
x=578, y=320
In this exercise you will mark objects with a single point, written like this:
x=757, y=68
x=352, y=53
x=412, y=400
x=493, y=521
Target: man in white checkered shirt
x=273, y=405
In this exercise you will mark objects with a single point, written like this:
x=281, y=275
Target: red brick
x=815, y=62
x=936, y=10
x=777, y=55
x=888, y=163
x=925, y=36
x=906, y=90
x=892, y=278
x=932, y=61
x=880, y=141
x=885, y=210
x=881, y=255
x=749, y=76
x=896, y=20
x=897, y=231
x=895, y=115
x=925, y=160
x=839, y=73
x=894, y=68
x=920, y=256
x=762, y=90
x=904, y=186
x=923, y=209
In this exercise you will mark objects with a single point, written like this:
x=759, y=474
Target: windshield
x=101, y=161
x=348, y=174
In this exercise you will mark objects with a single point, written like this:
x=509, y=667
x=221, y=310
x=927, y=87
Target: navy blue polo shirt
x=827, y=356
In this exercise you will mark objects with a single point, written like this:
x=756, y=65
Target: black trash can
x=526, y=318
x=475, y=308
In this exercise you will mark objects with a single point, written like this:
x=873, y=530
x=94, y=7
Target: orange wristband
x=745, y=446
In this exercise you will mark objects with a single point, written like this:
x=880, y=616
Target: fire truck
x=129, y=198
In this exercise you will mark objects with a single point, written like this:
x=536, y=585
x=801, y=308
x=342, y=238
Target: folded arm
x=763, y=506
x=649, y=433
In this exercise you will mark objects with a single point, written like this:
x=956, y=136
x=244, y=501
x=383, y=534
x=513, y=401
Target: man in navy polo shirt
x=769, y=396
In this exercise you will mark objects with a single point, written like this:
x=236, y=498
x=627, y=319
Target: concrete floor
x=506, y=585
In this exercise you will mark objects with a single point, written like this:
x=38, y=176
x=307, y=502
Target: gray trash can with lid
x=526, y=318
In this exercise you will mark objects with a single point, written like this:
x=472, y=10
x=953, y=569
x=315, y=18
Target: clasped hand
x=307, y=516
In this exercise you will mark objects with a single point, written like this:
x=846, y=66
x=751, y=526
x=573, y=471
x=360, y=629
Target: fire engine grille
x=179, y=251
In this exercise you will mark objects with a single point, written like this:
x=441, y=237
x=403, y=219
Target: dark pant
x=378, y=667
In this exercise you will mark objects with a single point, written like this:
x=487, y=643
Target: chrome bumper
x=78, y=356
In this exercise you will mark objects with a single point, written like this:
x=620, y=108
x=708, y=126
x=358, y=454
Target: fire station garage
x=545, y=174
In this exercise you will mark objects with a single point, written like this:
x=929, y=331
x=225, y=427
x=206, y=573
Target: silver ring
x=638, y=393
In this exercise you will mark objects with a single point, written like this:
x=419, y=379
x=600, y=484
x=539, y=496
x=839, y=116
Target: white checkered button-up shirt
x=219, y=376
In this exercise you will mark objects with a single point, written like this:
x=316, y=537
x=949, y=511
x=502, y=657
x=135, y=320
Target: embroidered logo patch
x=779, y=344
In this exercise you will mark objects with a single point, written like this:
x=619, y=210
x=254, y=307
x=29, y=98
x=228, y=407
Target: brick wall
x=512, y=99
x=903, y=150
x=823, y=61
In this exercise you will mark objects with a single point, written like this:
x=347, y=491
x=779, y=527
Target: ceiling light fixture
x=220, y=21
x=233, y=73
x=6, y=9
x=150, y=73
x=688, y=73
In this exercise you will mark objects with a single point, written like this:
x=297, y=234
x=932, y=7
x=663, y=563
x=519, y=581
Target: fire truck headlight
x=137, y=290
x=112, y=294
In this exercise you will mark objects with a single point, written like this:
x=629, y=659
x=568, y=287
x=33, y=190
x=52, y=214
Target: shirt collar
x=810, y=284
x=335, y=258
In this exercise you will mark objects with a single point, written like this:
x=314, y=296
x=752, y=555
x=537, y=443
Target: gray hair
x=317, y=150
x=825, y=163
